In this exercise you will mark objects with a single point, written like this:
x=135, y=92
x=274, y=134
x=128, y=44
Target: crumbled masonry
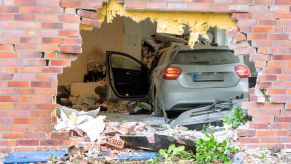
x=168, y=21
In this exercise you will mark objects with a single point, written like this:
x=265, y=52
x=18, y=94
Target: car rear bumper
x=185, y=98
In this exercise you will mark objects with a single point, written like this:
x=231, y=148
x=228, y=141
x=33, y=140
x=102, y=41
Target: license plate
x=195, y=77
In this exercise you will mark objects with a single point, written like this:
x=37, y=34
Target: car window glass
x=205, y=57
x=123, y=62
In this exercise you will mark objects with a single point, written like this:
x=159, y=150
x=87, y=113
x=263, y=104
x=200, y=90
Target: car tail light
x=243, y=71
x=172, y=73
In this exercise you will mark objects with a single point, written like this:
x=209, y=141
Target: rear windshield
x=205, y=57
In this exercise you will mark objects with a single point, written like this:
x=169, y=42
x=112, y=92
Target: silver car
x=182, y=78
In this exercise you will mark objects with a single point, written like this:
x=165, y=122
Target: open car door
x=128, y=77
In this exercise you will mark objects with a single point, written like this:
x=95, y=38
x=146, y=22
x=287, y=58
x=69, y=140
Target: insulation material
x=88, y=122
x=169, y=21
x=86, y=27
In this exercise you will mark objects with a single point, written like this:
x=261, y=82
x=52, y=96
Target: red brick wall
x=40, y=37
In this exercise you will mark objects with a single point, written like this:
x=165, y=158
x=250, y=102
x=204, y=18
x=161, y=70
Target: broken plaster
x=169, y=21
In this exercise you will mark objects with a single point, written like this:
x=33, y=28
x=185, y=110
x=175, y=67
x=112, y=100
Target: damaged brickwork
x=39, y=38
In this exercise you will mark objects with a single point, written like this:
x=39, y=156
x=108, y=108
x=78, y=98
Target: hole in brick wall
x=83, y=85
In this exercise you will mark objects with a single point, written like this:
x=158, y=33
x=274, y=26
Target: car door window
x=127, y=76
x=123, y=62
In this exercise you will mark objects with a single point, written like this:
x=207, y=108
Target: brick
x=282, y=15
x=262, y=15
x=88, y=14
x=91, y=22
x=29, y=40
x=51, y=142
x=43, y=77
x=282, y=119
x=263, y=119
x=219, y=7
x=258, y=126
x=6, y=17
x=115, y=143
x=275, y=91
x=69, y=33
x=23, y=76
x=284, y=78
x=267, y=78
x=46, y=91
x=255, y=8
x=40, y=114
x=70, y=48
x=38, y=10
x=262, y=29
x=6, y=76
x=6, y=47
x=272, y=133
x=7, y=143
x=255, y=112
x=248, y=140
x=243, y=51
x=72, y=40
x=156, y=5
x=279, y=126
x=277, y=64
x=27, y=47
x=268, y=22
x=199, y=7
x=69, y=18
x=257, y=36
x=177, y=6
x=9, y=40
x=71, y=11
x=282, y=2
x=41, y=99
x=264, y=2
x=241, y=7
x=281, y=57
x=61, y=63
x=6, y=106
x=272, y=71
x=281, y=43
x=18, y=84
x=27, y=143
x=135, y=5
x=40, y=84
x=8, y=55
x=61, y=135
x=248, y=23
x=269, y=140
x=241, y=15
x=25, y=2
x=246, y=132
x=12, y=135
x=48, y=3
x=47, y=18
x=8, y=9
x=52, y=70
x=76, y=4
x=56, y=40
x=278, y=8
x=52, y=25
x=23, y=91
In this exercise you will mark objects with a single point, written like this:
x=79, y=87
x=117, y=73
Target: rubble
x=70, y=119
